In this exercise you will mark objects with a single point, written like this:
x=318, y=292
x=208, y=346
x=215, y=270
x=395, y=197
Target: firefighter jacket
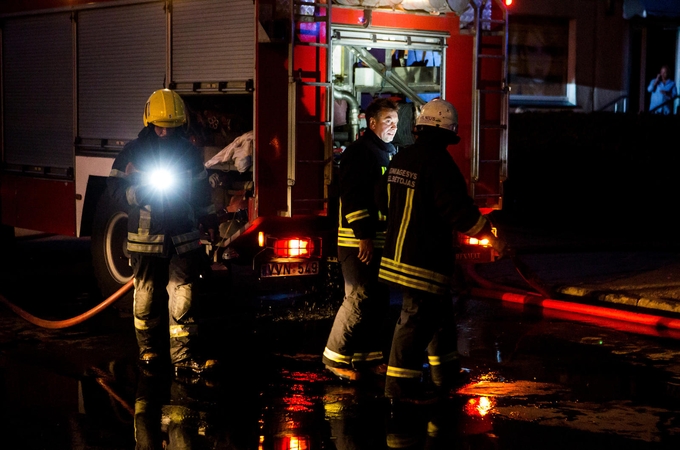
x=162, y=219
x=428, y=201
x=361, y=167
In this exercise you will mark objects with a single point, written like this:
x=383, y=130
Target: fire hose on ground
x=542, y=298
x=485, y=289
x=57, y=324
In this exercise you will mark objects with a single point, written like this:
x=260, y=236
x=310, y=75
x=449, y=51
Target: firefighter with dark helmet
x=426, y=199
x=161, y=178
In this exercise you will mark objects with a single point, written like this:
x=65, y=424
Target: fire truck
x=286, y=78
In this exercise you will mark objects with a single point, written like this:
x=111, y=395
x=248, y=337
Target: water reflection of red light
x=628, y=327
x=479, y=406
x=309, y=377
x=298, y=403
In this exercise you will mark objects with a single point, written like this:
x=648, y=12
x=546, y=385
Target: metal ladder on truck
x=489, y=154
x=310, y=100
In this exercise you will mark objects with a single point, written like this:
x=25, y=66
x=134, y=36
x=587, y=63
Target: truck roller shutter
x=121, y=61
x=213, y=41
x=38, y=76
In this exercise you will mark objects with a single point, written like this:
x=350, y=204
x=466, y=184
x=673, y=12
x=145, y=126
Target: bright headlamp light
x=161, y=179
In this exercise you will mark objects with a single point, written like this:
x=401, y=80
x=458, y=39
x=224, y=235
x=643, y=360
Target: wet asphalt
x=539, y=378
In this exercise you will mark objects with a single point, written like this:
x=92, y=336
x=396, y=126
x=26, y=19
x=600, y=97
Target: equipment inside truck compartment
x=230, y=174
x=221, y=125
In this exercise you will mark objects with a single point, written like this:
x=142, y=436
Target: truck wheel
x=110, y=258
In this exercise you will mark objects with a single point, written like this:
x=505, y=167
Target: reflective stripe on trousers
x=355, y=337
x=160, y=283
x=426, y=324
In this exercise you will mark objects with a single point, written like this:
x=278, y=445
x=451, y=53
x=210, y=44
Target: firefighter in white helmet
x=426, y=200
x=161, y=178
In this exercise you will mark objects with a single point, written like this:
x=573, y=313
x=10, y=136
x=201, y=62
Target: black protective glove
x=210, y=225
x=496, y=242
x=144, y=193
x=499, y=245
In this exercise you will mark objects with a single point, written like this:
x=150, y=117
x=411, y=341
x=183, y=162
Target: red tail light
x=293, y=443
x=294, y=247
x=473, y=241
x=467, y=240
x=482, y=242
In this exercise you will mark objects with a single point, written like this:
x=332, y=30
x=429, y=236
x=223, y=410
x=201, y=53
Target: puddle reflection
x=177, y=414
x=536, y=384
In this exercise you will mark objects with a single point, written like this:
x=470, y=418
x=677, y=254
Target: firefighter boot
x=149, y=359
x=447, y=380
x=402, y=391
x=196, y=366
x=345, y=374
x=404, y=427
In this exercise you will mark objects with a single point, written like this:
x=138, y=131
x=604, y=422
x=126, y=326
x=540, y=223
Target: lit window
x=540, y=66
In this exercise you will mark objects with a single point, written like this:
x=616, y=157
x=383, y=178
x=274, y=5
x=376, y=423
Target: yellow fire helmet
x=165, y=108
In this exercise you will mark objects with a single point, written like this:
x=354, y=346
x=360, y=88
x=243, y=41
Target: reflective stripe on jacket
x=158, y=221
x=427, y=202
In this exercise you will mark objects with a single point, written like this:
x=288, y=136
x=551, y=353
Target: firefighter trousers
x=166, y=286
x=426, y=324
x=355, y=337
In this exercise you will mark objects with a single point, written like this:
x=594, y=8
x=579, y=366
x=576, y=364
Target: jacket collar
x=382, y=145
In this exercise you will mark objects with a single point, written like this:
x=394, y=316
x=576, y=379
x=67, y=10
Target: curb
x=621, y=299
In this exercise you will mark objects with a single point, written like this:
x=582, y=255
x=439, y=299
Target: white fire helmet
x=439, y=113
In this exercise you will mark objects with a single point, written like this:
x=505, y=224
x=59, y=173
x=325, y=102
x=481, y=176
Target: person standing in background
x=662, y=89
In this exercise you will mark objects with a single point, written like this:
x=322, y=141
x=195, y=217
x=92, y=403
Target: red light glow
x=293, y=443
x=285, y=248
x=508, y=2
x=475, y=241
x=479, y=406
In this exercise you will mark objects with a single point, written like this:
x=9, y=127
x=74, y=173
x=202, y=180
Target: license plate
x=291, y=269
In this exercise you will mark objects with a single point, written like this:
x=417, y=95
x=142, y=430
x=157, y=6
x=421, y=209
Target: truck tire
x=110, y=258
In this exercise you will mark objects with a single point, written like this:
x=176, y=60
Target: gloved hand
x=143, y=194
x=499, y=245
x=132, y=175
x=210, y=225
x=487, y=232
x=134, y=178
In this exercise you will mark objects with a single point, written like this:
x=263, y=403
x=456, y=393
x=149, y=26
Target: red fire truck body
x=297, y=73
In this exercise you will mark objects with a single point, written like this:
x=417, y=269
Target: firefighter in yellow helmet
x=160, y=176
x=426, y=199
